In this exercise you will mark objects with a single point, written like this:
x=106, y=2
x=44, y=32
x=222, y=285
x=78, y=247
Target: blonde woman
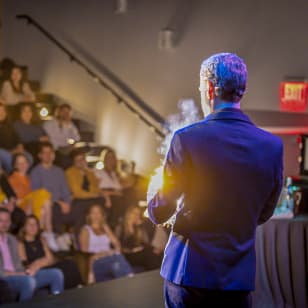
x=96, y=238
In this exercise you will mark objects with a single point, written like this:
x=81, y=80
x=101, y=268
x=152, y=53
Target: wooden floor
x=143, y=290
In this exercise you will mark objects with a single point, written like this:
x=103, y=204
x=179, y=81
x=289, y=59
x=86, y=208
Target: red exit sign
x=293, y=96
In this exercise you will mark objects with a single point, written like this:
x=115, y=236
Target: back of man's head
x=228, y=72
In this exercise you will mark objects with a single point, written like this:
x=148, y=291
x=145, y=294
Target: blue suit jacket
x=230, y=174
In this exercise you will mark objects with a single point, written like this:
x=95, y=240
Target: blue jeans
x=52, y=278
x=111, y=267
x=25, y=285
x=6, y=158
x=177, y=296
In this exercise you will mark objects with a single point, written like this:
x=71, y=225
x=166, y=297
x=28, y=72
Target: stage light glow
x=99, y=165
x=44, y=112
x=70, y=141
x=189, y=113
x=156, y=183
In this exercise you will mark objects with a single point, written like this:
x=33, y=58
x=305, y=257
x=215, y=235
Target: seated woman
x=37, y=202
x=36, y=255
x=10, y=143
x=16, y=89
x=117, y=197
x=96, y=238
x=28, y=130
x=136, y=245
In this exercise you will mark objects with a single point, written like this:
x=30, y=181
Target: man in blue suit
x=223, y=176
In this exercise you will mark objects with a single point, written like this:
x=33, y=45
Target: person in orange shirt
x=36, y=202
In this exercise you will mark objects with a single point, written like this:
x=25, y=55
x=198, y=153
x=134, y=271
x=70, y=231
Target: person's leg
x=240, y=299
x=46, y=217
x=23, y=285
x=57, y=218
x=119, y=266
x=52, y=278
x=102, y=269
x=182, y=296
x=6, y=295
x=178, y=297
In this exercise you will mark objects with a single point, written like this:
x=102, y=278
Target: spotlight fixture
x=120, y=7
x=166, y=39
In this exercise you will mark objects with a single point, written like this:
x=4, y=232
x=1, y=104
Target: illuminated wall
x=268, y=34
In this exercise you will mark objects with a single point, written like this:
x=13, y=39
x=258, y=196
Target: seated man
x=84, y=188
x=52, y=178
x=63, y=134
x=21, y=281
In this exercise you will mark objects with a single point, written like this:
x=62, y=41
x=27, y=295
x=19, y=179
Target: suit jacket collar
x=228, y=113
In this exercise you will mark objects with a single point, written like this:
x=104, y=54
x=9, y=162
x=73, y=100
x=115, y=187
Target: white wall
x=269, y=35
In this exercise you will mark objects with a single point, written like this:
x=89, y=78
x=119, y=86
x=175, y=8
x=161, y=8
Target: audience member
x=52, y=178
x=37, y=202
x=21, y=281
x=35, y=254
x=62, y=131
x=96, y=237
x=8, y=201
x=9, y=141
x=84, y=188
x=6, y=295
x=28, y=130
x=16, y=89
x=135, y=242
x=63, y=134
x=112, y=189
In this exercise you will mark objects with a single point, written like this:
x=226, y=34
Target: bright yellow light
x=44, y=112
x=70, y=141
x=146, y=213
x=156, y=183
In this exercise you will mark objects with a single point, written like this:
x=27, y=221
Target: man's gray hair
x=228, y=72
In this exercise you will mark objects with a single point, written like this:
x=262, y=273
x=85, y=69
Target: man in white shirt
x=62, y=131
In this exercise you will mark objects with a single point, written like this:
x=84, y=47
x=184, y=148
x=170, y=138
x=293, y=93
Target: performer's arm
x=163, y=205
x=271, y=203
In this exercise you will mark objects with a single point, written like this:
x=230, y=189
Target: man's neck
x=223, y=105
x=46, y=165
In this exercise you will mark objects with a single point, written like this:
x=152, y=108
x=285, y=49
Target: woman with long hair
x=16, y=89
x=36, y=256
x=136, y=245
x=37, y=202
x=96, y=238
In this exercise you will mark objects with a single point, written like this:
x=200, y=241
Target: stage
x=143, y=290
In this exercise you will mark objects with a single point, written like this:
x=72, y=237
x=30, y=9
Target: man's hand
x=65, y=207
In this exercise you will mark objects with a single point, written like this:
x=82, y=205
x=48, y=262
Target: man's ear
x=211, y=90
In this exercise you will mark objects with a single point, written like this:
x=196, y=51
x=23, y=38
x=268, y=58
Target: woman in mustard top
x=36, y=202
